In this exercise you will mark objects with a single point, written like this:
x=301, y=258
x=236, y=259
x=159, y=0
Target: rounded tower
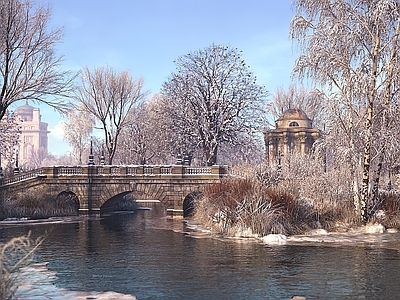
x=33, y=140
x=293, y=133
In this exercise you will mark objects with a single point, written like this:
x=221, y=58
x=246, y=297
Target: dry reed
x=15, y=254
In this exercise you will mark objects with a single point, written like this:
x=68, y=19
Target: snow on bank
x=371, y=234
x=51, y=220
x=35, y=282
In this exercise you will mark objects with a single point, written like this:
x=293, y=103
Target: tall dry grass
x=245, y=207
x=388, y=210
x=15, y=254
x=292, y=198
x=37, y=204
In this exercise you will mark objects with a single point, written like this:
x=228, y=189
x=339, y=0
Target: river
x=151, y=257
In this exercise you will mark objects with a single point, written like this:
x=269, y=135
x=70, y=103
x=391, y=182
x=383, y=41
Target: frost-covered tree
x=139, y=143
x=110, y=97
x=248, y=151
x=212, y=98
x=36, y=158
x=9, y=137
x=350, y=47
x=77, y=132
x=312, y=102
x=29, y=66
x=148, y=138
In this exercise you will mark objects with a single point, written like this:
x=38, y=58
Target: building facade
x=293, y=133
x=33, y=138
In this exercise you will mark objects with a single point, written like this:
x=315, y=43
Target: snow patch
x=318, y=232
x=274, y=239
x=36, y=282
x=375, y=228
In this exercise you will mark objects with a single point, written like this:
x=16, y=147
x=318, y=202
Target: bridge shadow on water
x=147, y=214
x=128, y=202
x=121, y=202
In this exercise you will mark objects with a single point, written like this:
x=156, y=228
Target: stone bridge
x=94, y=185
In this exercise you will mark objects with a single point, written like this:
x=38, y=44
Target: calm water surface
x=148, y=256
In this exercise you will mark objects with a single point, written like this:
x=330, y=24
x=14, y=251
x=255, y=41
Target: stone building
x=33, y=139
x=293, y=133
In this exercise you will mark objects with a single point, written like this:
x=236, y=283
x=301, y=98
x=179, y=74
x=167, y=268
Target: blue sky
x=146, y=36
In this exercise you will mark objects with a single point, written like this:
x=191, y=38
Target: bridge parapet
x=23, y=176
x=62, y=171
x=163, y=172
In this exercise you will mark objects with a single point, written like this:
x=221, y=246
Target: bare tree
x=110, y=97
x=141, y=140
x=351, y=48
x=312, y=102
x=64, y=160
x=36, y=158
x=213, y=97
x=77, y=132
x=29, y=67
x=248, y=151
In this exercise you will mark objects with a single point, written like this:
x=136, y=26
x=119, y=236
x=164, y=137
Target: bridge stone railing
x=170, y=171
x=22, y=176
x=197, y=170
x=68, y=171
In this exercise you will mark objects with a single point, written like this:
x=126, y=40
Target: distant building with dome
x=293, y=133
x=33, y=138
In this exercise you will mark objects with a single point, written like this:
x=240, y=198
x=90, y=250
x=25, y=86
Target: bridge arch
x=68, y=201
x=121, y=201
x=189, y=203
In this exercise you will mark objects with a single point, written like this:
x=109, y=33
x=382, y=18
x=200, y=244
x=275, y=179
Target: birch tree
x=110, y=97
x=212, y=97
x=350, y=47
x=29, y=66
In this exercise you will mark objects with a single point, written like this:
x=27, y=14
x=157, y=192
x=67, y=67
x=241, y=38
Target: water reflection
x=138, y=253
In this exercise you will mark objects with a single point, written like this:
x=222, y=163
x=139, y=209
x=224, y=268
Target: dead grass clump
x=37, y=204
x=15, y=254
x=228, y=192
x=336, y=215
x=390, y=216
x=236, y=205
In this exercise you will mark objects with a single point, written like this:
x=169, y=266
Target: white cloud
x=58, y=131
x=57, y=145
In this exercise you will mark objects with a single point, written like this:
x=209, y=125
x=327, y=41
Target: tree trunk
x=385, y=117
x=366, y=167
x=211, y=155
x=365, y=213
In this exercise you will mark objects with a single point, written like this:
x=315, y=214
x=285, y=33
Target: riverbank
x=374, y=235
x=53, y=220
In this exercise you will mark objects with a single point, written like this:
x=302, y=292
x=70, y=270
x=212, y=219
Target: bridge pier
x=174, y=213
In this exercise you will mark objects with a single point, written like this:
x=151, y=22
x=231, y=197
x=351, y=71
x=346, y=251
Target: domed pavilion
x=293, y=133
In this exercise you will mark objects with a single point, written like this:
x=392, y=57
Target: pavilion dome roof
x=24, y=110
x=293, y=118
x=294, y=113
